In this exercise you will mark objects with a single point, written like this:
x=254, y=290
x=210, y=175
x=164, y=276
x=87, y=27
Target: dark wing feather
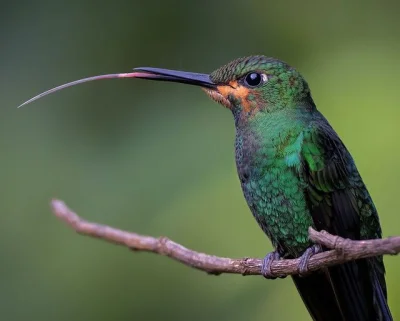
x=336, y=198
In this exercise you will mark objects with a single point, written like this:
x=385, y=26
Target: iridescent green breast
x=269, y=164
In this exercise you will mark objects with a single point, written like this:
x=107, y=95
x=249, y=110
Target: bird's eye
x=254, y=79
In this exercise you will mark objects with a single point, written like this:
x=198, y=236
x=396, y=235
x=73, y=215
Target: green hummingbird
x=295, y=172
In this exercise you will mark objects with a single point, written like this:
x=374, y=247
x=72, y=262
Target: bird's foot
x=305, y=258
x=266, y=266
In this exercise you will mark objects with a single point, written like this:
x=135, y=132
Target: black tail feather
x=318, y=296
x=381, y=300
x=353, y=290
x=344, y=293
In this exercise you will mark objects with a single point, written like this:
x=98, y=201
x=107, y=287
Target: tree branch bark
x=342, y=250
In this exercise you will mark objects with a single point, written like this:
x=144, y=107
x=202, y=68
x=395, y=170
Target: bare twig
x=343, y=250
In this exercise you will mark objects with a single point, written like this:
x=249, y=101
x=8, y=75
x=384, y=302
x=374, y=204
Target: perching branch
x=343, y=250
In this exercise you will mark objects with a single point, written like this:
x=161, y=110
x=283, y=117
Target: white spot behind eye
x=264, y=77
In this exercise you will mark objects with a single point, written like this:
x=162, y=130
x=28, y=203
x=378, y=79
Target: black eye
x=253, y=79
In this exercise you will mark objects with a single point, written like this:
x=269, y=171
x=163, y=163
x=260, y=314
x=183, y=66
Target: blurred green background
x=158, y=158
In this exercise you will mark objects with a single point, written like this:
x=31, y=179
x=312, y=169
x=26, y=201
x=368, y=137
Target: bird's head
x=245, y=86
x=258, y=83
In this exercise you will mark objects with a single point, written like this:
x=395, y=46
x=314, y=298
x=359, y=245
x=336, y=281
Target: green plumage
x=269, y=167
x=295, y=172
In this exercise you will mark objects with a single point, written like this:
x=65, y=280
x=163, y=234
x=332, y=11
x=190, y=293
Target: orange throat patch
x=224, y=91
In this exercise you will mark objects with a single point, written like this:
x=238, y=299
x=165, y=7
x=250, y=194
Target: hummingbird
x=295, y=172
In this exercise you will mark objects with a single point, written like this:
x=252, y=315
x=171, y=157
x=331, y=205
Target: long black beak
x=190, y=78
x=202, y=80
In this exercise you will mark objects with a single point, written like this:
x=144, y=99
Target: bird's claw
x=305, y=258
x=266, y=266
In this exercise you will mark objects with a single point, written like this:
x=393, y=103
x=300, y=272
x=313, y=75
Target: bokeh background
x=158, y=158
